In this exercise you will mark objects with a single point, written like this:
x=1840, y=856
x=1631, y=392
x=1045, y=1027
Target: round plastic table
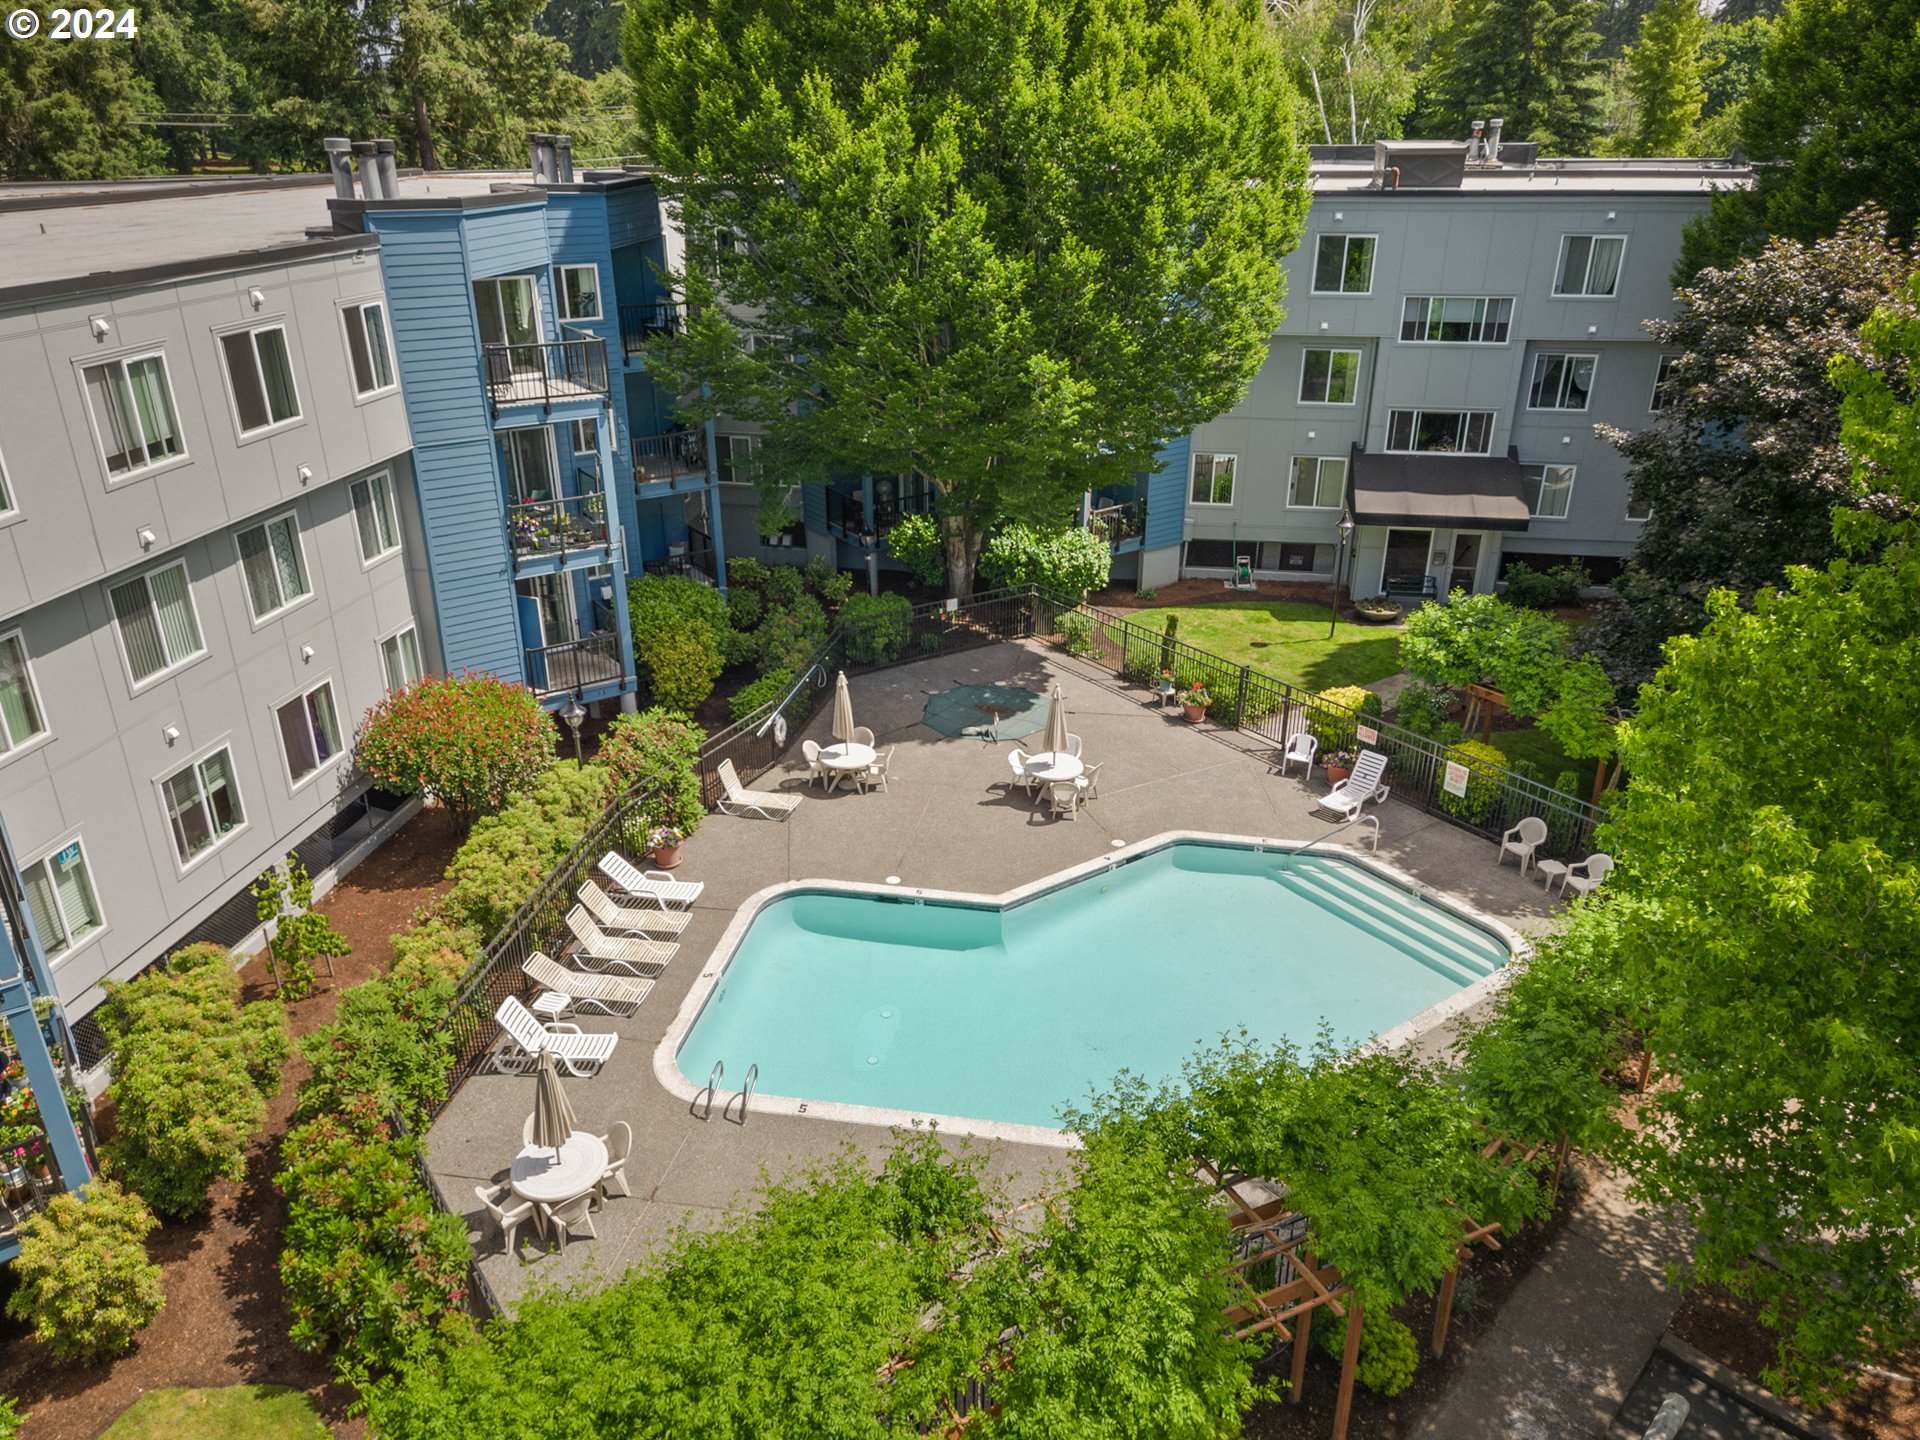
x=847, y=758
x=537, y=1175
x=1051, y=766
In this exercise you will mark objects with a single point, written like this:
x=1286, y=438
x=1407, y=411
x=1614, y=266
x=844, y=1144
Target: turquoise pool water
x=1006, y=1015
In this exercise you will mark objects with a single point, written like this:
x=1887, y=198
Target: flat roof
x=1573, y=176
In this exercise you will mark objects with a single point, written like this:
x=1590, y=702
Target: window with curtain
x=154, y=615
x=1329, y=377
x=1589, y=265
x=1549, y=490
x=579, y=291
x=275, y=569
x=21, y=718
x=368, y=350
x=1456, y=319
x=132, y=406
x=309, y=731
x=373, y=516
x=1561, y=382
x=261, y=373
x=1319, y=482
x=586, y=437
x=1663, y=386
x=61, y=896
x=203, y=805
x=400, y=656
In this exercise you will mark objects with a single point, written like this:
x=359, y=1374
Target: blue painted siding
x=1167, y=495
x=813, y=506
x=633, y=216
x=507, y=241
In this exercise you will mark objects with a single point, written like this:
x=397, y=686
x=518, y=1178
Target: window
x=154, y=615
x=1330, y=377
x=368, y=349
x=586, y=437
x=203, y=805
x=373, y=516
x=1561, y=382
x=60, y=894
x=1661, y=399
x=1589, y=264
x=261, y=373
x=132, y=405
x=736, y=458
x=1466, y=432
x=1319, y=482
x=1456, y=320
x=1212, y=479
x=276, y=571
x=1549, y=490
x=579, y=291
x=309, y=731
x=1639, y=510
x=400, y=657
x=1212, y=554
x=21, y=718
x=6, y=495
x=508, y=309
x=1343, y=265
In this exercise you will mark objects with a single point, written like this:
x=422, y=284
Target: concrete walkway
x=1571, y=1339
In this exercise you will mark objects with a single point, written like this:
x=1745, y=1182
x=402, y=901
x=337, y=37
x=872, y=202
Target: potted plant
x=1339, y=765
x=664, y=842
x=1167, y=686
x=1378, y=610
x=1194, y=701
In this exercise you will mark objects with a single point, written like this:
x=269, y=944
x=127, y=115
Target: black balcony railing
x=574, y=664
x=669, y=456
x=640, y=322
x=846, y=512
x=571, y=368
x=559, y=527
x=1117, y=523
x=694, y=559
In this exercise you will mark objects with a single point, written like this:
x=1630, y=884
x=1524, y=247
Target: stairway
x=1420, y=930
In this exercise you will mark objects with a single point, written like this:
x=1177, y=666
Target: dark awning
x=1461, y=492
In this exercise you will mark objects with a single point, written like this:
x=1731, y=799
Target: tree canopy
x=1009, y=249
x=1530, y=62
x=66, y=109
x=1354, y=61
x=1666, y=75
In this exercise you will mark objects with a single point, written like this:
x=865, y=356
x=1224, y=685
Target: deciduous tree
x=1354, y=61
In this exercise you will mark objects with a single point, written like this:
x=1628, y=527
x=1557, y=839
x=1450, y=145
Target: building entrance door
x=1466, y=564
x=1405, y=569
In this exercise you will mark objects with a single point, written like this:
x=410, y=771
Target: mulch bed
x=1213, y=592
x=224, y=1323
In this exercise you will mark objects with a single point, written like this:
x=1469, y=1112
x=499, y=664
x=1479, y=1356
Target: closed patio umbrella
x=1056, y=740
x=842, y=710
x=552, y=1112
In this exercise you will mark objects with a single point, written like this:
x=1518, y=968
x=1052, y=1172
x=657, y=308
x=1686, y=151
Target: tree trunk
x=962, y=546
x=423, y=134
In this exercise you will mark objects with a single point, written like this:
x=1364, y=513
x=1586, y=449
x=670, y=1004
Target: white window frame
x=573, y=437
x=386, y=670
x=1567, y=359
x=225, y=742
x=367, y=562
x=343, y=742
x=253, y=333
x=1633, y=519
x=1654, y=407
x=1466, y=420
x=354, y=312
x=1543, y=466
x=1348, y=237
x=1560, y=263
x=72, y=945
x=1319, y=461
x=749, y=443
x=133, y=357
x=9, y=506
x=9, y=746
x=1427, y=302
x=172, y=667
x=300, y=549
x=1330, y=351
x=1213, y=478
x=560, y=292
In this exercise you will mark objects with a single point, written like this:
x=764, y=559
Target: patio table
x=1551, y=871
x=846, y=759
x=1050, y=766
x=539, y=1177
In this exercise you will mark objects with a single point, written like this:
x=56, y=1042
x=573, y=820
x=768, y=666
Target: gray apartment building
x=209, y=559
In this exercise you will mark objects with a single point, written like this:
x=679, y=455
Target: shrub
x=369, y=1265
x=472, y=742
x=1389, y=1353
x=745, y=609
x=666, y=602
x=764, y=691
x=1483, y=783
x=661, y=754
x=746, y=574
x=1145, y=596
x=1076, y=631
x=915, y=542
x=82, y=1278
x=784, y=587
x=877, y=628
x=682, y=664
x=10, y=1418
x=283, y=896
x=192, y=1070
x=1542, y=590
x=1067, y=562
x=790, y=637
x=389, y=1041
x=507, y=856
x=436, y=946
x=1423, y=707
x=1168, y=640
x=829, y=586
x=1332, y=714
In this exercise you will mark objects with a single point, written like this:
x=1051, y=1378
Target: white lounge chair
x=1017, y=758
x=598, y=950
x=876, y=773
x=579, y=1053
x=815, y=770
x=1088, y=782
x=1522, y=840
x=1302, y=747
x=619, y=1143
x=609, y=994
x=863, y=736
x=1063, y=798
x=509, y=1217
x=736, y=797
x=571, y=1215
x=654, y=885
x=629, y=919
x=1363, y=785
x=1585, y=877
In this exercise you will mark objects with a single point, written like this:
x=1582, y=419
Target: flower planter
x=1337, y=773
x=1194, y=713
x=667, y=857
x=1377, y=617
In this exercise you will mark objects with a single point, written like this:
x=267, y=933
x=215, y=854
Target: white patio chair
x=863, y=736
x=735, y=797
x=1073, y=745
x=580, y=1054
x=508, y=1217
x=629, y=919
x=619, y=1143
x=571, y=1215
x=1362, y=786
x=596, y=950
x=876, y=773
x=815, y=770
x=1088, y=782
x=1302, y=747
x=609, y=994
x=1063, y=798
x=1017, y=759
x=1585, y=877
x=654, y=885
x=1522, y=840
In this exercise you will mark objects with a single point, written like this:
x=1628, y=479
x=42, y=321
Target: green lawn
x=1286, y=639
x=233, y=1412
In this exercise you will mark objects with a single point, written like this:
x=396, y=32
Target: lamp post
x=869, y=543
x=575, y=715
x=1345, y=527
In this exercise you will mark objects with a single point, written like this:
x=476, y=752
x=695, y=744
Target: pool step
x=1413, y=929
x=1481, y=950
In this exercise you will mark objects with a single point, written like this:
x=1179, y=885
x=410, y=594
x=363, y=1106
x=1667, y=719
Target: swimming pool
x=989, y=1015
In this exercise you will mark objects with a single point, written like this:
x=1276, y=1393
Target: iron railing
x=573, y=367
x=562, y=526
x=574, y=664
x=638, y=323
x=847, y=512
x=1116, y=524
x=669, y=455
x=694, y=558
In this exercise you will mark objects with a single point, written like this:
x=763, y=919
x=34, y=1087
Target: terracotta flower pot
x=1337, y=773
x=1194, y=713
x=667, y=857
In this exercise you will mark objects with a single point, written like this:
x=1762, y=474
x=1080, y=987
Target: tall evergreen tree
x=1666, y=75
x=1530, y=62
x=67, y=108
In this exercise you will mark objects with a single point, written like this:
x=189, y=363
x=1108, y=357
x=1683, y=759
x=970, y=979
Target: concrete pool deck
x=947, y=823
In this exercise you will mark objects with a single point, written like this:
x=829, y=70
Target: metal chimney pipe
x=369, y=168
x=541, y=153
x=1473, y=141
x=1493, y=140
x=340, y=161
x=389, y=172
x=563, y=159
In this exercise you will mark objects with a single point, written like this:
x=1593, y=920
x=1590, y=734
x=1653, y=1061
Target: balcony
x=1119, y=525
x=548, y=373
x=693, y=558
x=846, y=512
x=566, y=526
x=639, y=323
x=670, y=456
x=555, y=670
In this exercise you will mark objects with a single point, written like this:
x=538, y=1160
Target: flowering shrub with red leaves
x=471, y=741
